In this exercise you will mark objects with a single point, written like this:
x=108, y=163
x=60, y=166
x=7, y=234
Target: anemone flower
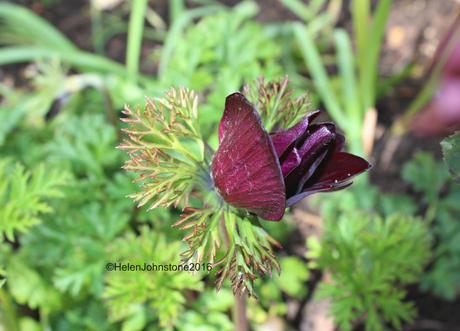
x=266, y=173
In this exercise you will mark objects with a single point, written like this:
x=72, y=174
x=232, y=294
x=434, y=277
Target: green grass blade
x=360, y=13
x=78, y=59
x=369, y=69
x=318, y=72
x=176, y=9
x=19, y=25
x=347, y=74
x=135, y=33
x=298, y=8
x=303, y=11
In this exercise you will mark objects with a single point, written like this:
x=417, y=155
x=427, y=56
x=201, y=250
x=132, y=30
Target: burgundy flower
x=265, y=173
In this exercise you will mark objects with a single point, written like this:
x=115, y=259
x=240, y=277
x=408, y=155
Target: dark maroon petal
x=245, y=168
x=337, y=170
x=224, y=123
x=312, y=153
x=291, y=162
x=339, y=142
x=331, y=188
x=285, y=138
x=333, y=176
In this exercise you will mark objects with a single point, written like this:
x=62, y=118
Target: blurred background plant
x=377, y=252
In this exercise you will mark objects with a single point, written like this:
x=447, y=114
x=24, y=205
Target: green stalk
x=79, y=59
x=307, y=13
x=347, y=75
x=20, y=25
x=298, y=8
x=369, y=61
x=320, y=78
x=350, y=95
x=135, y=32
x=176, y=8
x=8, y=316
x=360, y=11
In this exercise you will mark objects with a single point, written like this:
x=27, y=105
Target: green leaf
x=372, y=259
x=294, y=274
x=136, y=321
x=28, y=287
x=86, y=143
x=24, y=195
x=426, y=175
x=347, y=73
x=298, y=8
x=159, y=145
x=29, y=324
x=229, y=50
x=160, y=291
x=370, y=45
x=20, y=25
x=451, y=152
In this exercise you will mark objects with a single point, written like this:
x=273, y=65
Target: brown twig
x=240, y=317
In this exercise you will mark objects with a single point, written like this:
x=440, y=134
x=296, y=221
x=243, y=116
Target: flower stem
x=239, y=313
x=240, y=318
x=8, y=317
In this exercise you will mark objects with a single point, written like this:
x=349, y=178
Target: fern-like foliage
x=24, y=195
x=209, y=312
x=203, y=237
x=370, y=259
x=237, y=246
x=451, y=152
x=229, y=49
x=85, y=145
x=440, y=196
x=276, y=104
x=153, y=296
x=249, y=254
x=165, y=148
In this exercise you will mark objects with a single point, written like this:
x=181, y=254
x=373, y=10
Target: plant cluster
x=370, y=259
x=173, y=165
x=440, y=197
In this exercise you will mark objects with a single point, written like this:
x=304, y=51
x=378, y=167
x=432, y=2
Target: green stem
x=317, y=70
x=176, y=8
x=135, y=32
x=97, y=32
x=360, y=10
x=430, y=214
x=8, y=316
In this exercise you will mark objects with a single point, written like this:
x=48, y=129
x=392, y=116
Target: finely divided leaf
x=451, y=151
